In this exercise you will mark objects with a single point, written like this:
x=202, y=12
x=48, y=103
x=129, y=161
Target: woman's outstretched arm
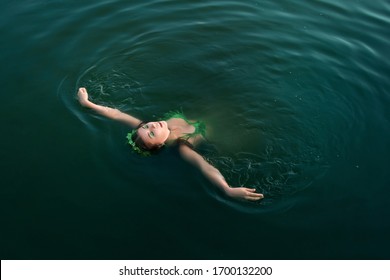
x=108, y=112
x=216, y=177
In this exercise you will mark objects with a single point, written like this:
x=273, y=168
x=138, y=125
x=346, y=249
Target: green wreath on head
x=134, y=146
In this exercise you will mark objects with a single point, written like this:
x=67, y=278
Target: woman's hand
x=83, y=97
x=244, y=194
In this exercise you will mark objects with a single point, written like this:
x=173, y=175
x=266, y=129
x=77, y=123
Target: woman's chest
x=180, y=127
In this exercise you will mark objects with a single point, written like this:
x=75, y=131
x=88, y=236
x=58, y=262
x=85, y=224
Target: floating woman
x=176, y=129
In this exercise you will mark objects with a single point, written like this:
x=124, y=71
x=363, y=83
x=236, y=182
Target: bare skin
x=158, y=133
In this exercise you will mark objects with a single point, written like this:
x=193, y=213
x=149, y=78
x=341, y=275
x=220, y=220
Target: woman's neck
x=179, y=128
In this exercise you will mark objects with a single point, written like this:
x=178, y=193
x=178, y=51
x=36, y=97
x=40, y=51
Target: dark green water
x=297, y=96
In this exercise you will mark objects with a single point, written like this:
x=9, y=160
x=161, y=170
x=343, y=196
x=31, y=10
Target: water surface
x=296, y=96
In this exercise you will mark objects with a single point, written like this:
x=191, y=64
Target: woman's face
x=154, y=134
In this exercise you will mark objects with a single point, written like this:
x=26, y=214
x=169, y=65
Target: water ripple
x=292, y=78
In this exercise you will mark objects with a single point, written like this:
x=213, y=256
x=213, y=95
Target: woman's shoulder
x=182, y=141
